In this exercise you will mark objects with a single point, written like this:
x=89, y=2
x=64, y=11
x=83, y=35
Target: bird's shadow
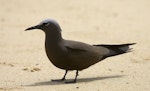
x=80, y=80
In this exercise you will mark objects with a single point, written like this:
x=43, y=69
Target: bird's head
x=46, y=25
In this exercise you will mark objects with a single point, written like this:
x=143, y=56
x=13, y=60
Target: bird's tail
x=117, y=49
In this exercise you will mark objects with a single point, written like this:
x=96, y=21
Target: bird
x=72, y=55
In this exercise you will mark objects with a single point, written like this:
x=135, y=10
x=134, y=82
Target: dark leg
x=58, y=80
x=75, y=80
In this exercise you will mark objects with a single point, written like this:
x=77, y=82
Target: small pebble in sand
x=77, y=87
x=36, y=69
x=32, y=70
x=127, y=82
x=11, y=65
x=121, y=71
x=109, y=69
x=25, y=69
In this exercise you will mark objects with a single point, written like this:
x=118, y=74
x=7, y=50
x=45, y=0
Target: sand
x=24, y=65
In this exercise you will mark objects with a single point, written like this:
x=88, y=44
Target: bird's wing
x=84, y=55
x=76, y=46
x=83, y=47
x=75, y=49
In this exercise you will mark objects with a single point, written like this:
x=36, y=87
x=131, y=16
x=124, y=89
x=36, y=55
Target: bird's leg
x=75, y=80
x=58, y=80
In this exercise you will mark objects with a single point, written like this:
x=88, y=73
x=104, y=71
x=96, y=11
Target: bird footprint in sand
x=31, y=69
x=7, y=64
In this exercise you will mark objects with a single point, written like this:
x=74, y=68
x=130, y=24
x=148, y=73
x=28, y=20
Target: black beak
x=33, y=27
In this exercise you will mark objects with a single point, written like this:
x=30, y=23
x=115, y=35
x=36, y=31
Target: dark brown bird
x=72, y=55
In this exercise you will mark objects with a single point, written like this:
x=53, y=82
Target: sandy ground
x=24, y=65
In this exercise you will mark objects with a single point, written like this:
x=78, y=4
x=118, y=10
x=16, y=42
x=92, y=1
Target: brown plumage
x=73, y=55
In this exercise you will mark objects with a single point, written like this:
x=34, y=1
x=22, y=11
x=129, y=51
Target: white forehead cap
x=48, y=21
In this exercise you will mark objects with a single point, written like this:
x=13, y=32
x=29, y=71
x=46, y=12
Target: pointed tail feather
x=117, y=49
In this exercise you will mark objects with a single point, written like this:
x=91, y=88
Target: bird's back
x=82, y=55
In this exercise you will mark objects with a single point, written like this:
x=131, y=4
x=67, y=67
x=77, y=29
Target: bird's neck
x=53, y=39
x=53, y=45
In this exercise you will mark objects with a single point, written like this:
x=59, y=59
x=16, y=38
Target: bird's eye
x=45, y=24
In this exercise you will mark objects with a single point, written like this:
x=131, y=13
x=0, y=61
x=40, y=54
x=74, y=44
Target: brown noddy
x=73, y=55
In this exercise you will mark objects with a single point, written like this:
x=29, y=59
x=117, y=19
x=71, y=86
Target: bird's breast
x=57, y=55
